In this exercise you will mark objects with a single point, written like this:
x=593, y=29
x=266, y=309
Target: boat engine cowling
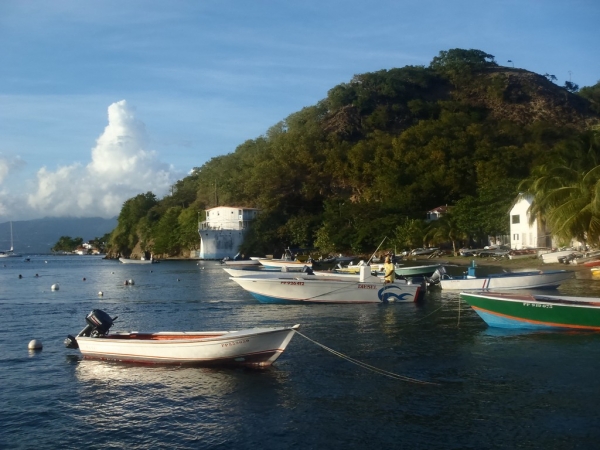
x=437, y=276
x=98, y=322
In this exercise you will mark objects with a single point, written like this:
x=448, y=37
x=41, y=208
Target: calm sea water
x=495, y=389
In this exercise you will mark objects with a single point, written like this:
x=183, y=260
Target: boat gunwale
x=166, y=337
x=566, y=301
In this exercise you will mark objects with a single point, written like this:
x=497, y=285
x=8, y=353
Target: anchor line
x=425, y=317
x=368, y=366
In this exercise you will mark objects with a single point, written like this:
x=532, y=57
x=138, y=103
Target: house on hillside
x=436, y=213
x=222, y=233
x=522, y=234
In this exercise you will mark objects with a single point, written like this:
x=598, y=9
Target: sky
x=101, y=101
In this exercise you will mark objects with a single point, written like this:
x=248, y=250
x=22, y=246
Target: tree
x=67, y=244
x=445, y=229
x=571, y=87
x=566, y=191
x=409, y=234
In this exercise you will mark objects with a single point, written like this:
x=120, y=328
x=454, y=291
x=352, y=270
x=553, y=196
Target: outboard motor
x=98, y=324
x=437, y=276
x=307, y=270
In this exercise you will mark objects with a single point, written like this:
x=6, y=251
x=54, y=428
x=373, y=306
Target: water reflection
x=179, y=403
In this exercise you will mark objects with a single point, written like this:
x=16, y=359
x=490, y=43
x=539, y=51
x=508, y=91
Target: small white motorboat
x=142, y=260
x=533, y=279
x=305, y=288
x=249, y=347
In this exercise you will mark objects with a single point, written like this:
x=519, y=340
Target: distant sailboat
x=9, y=253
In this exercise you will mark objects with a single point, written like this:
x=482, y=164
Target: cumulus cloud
x=122, y=166
x=9, y=164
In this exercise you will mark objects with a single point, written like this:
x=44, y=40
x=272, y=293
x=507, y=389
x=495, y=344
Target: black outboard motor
x=98, y=324
x=307, y=270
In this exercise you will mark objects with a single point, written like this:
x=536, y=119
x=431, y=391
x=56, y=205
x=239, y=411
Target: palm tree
x=566, y=192
x=445, y=229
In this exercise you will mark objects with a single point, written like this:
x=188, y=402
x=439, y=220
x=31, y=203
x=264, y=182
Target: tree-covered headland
x=377, y=153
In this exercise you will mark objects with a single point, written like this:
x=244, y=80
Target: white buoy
x=100, y=293
x=131, y=282
x=54, y=287
x=35, y=345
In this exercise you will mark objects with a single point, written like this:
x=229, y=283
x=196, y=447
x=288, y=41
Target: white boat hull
x=136, y=261
x=279, y=264
x=278, y=274
x=553, y=257
x=305, y=289
x=251, y=347
x=509, y=281
x=245, y=262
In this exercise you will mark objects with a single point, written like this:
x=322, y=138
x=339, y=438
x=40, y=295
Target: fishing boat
x=523, y=253
x=558, y=256
x=306, y=288
x=535, y=279
x=248, y=347
x=535, y=311
x=142, y=260
x=287, y=261
x=351, y=268
x=233, y=272
x=417, y=271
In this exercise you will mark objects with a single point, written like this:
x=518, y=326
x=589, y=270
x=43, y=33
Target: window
x=515, y=237
x=516, y=219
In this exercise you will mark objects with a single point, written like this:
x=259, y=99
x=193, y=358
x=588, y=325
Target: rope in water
x=368, y=366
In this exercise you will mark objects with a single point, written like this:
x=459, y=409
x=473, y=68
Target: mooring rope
x=425, y=317
x=368, y=366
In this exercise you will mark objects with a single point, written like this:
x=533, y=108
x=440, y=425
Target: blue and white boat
x=534, y=279
x=306, y=288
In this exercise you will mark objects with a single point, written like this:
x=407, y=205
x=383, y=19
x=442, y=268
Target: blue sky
x=100, y=101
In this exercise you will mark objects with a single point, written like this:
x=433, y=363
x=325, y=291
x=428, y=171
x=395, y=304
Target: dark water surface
x=496, y=389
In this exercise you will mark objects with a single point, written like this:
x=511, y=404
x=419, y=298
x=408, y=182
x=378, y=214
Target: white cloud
x=8, y=165
x=122, y=166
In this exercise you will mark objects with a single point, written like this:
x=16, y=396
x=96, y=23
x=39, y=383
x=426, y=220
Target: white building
x=437, y=213
x=222, y=233
x=522, y=234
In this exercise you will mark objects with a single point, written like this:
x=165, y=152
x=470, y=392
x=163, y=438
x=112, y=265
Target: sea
x=331, y=389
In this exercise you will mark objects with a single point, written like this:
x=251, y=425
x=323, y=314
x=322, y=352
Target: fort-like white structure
x=222, y=233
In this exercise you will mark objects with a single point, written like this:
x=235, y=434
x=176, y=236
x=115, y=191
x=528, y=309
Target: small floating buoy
x=35, y=345
x=54, y=287
x=131, y=282
x=100, y=293
x=45, y=262
x=36, y=275
x=20, y=276
x=178, y=279
x=112, y=272
x=83, y=278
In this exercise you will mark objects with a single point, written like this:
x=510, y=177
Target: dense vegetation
x=69, y=244
x=374, y=156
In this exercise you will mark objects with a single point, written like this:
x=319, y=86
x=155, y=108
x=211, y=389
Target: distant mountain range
x=39, y=236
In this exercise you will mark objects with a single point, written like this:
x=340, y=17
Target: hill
x=38, y=236
x=375, y=155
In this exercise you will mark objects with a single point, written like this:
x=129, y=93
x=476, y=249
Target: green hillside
x=374, y=156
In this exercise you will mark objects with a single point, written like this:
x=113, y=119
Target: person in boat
x=389, y=270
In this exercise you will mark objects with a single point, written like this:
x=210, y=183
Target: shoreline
x=508, y=264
